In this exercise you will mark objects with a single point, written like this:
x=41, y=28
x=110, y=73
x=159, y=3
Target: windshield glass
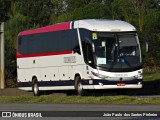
x=114, y=52
x=117, y=50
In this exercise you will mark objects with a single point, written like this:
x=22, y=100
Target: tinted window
x=87, y=46
x=48, y=42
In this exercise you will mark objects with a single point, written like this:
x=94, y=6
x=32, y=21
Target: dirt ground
x=14, y=92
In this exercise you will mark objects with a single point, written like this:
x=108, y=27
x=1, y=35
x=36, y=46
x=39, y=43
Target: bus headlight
x=140, y=76
x=99, y=75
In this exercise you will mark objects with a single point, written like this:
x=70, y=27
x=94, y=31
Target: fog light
x=101, y=84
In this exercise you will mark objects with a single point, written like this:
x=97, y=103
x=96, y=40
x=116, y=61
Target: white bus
x=80, y=55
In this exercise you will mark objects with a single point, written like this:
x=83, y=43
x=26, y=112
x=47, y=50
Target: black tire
x=35, y=87
x=78, y=86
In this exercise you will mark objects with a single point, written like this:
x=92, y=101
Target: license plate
x=121, y=84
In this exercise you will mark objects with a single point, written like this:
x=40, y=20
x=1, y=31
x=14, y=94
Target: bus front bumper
x=106, y=84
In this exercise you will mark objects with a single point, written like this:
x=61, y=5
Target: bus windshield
x=117, y=50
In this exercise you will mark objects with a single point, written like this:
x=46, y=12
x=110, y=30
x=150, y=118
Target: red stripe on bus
x=19, y=55
x=51, y=28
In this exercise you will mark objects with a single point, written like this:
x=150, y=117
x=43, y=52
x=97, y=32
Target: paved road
x=89, y=108
x=77, y=107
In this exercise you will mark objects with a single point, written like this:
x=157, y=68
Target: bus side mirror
x=145, y=41
x=146, y=44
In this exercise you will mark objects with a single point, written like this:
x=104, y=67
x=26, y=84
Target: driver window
x=87, y=52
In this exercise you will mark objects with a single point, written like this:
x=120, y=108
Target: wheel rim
x=35, y=89
x=79, y=89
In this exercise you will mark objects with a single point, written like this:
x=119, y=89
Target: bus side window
x=74, y=44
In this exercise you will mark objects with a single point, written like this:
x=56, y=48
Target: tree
x=30, y=14
x=37, y=11
x=13, y=26
x=4, y=9
x=152, y=32
x=83, y=10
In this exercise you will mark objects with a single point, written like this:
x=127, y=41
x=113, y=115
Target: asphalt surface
x=77, y=107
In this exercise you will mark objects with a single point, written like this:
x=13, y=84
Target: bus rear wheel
x=79, y=86
x=35, y=87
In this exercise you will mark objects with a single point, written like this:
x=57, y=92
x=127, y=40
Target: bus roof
x=90, y=24
x=104, y=25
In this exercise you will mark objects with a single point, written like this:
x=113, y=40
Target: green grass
x=79, y=100
x=152, y=75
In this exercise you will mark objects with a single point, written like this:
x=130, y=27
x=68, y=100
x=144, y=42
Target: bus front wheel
x=78, y=86
x=35, y=87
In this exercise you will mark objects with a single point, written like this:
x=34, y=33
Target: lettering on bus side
x=71, y=59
